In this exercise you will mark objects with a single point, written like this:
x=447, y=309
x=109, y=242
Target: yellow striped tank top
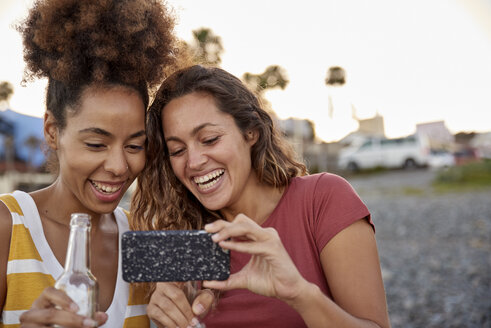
x=32, y=267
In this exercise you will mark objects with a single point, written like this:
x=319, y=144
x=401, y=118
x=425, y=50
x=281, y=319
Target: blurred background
x=393, y=95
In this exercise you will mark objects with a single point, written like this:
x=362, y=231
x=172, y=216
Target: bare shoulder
x=5, y=225
x=5, y=232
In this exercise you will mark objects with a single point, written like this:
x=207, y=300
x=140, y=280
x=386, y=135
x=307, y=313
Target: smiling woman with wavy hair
x=274, y=160
x=302, y=247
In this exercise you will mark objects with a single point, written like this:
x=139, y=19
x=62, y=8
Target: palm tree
x=6, y=127
x=274, y=76
x=8, y=143
x=6, y=91
x=206, y=48
x=336, y=77
x=33, y=143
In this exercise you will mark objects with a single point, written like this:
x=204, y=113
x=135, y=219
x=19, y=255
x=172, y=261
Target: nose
x=196, y=159
x=116, y=162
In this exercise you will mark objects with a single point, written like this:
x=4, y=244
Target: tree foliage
x=336, y=76
x=206, y=47
x=33, y=143
x=6, y=91
x=274, y=76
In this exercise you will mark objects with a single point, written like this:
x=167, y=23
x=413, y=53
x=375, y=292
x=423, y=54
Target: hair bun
x=75, y=41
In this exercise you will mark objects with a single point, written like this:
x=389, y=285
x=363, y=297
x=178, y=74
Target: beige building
x=372, y=126
x=437, y=135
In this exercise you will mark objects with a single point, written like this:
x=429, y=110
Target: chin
x=212, y=207
x=106, y=209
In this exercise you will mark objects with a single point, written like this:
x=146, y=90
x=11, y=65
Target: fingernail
x=194, y=322
x=74, y=307
x=89, y=322
x=198, y=309
x=215, y=237
x=208, y=226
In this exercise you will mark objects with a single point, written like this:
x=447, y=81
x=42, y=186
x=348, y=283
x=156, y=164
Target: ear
x=50, y=130
x=252, y=137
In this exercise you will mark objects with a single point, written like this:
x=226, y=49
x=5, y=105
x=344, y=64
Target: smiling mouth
x=106, y=188
x=209, y=180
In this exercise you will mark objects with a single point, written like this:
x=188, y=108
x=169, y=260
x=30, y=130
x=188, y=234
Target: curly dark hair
x=77, y=44
x=161, y=201
x=73, y=41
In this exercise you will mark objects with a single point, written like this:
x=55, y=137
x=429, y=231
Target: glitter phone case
x=173, y=255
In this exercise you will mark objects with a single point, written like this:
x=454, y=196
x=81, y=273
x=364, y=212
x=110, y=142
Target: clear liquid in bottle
x=77, y=281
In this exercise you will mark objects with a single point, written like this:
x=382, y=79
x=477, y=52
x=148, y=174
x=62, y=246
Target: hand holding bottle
x=54, y=307
x=77, y=281
x=73, y=300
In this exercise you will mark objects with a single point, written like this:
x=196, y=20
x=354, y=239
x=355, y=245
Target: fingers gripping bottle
x=77, y=281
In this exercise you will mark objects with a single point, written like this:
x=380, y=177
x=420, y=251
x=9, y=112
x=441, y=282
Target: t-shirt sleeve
x=336, y=206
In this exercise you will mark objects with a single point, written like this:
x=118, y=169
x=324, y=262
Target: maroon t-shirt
x=312, y=210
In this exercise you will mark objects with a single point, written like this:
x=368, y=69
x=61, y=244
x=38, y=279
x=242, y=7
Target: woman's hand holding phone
x=270, y=272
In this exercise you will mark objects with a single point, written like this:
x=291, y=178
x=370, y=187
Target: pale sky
x=410, y=61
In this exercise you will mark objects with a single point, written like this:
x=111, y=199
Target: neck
x=257, y=203
x=56, y=204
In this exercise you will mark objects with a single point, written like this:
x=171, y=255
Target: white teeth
x=207, y=185
x=106, y=188
x=204, y=179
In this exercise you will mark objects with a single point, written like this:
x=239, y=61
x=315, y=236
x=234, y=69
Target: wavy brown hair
x=77, y=44
x=161, y=201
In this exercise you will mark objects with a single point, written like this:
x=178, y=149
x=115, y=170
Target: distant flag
x=353, y=112
x=330, y=107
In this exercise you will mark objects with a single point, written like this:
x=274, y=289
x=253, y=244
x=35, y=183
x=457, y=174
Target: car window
x=366, y=144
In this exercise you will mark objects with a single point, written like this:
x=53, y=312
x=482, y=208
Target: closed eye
x=176, y=152
x=135, y=148
x=211, y=141
x=95, y=146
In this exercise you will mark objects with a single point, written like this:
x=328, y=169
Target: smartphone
x=172, y=255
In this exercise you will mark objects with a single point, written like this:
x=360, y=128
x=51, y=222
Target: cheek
x=177, y=165
x=138, y=163
x=74, y=169
x=73, y=161
x=245, y=159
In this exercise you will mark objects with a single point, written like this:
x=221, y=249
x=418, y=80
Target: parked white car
x=408, y=152
x=441, y=159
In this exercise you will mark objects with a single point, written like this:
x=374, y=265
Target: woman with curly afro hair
x=101, y=58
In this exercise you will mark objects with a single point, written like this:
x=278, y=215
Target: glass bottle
x=77, y=281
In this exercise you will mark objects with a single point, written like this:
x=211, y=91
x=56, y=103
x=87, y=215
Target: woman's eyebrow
x=201, y=126
x=193, y=132
x=96, y=131
x=138, y=134
x=109, y=134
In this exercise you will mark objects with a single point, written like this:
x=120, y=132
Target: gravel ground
x=435, y=249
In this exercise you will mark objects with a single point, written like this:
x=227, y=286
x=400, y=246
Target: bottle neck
x=78, y=253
